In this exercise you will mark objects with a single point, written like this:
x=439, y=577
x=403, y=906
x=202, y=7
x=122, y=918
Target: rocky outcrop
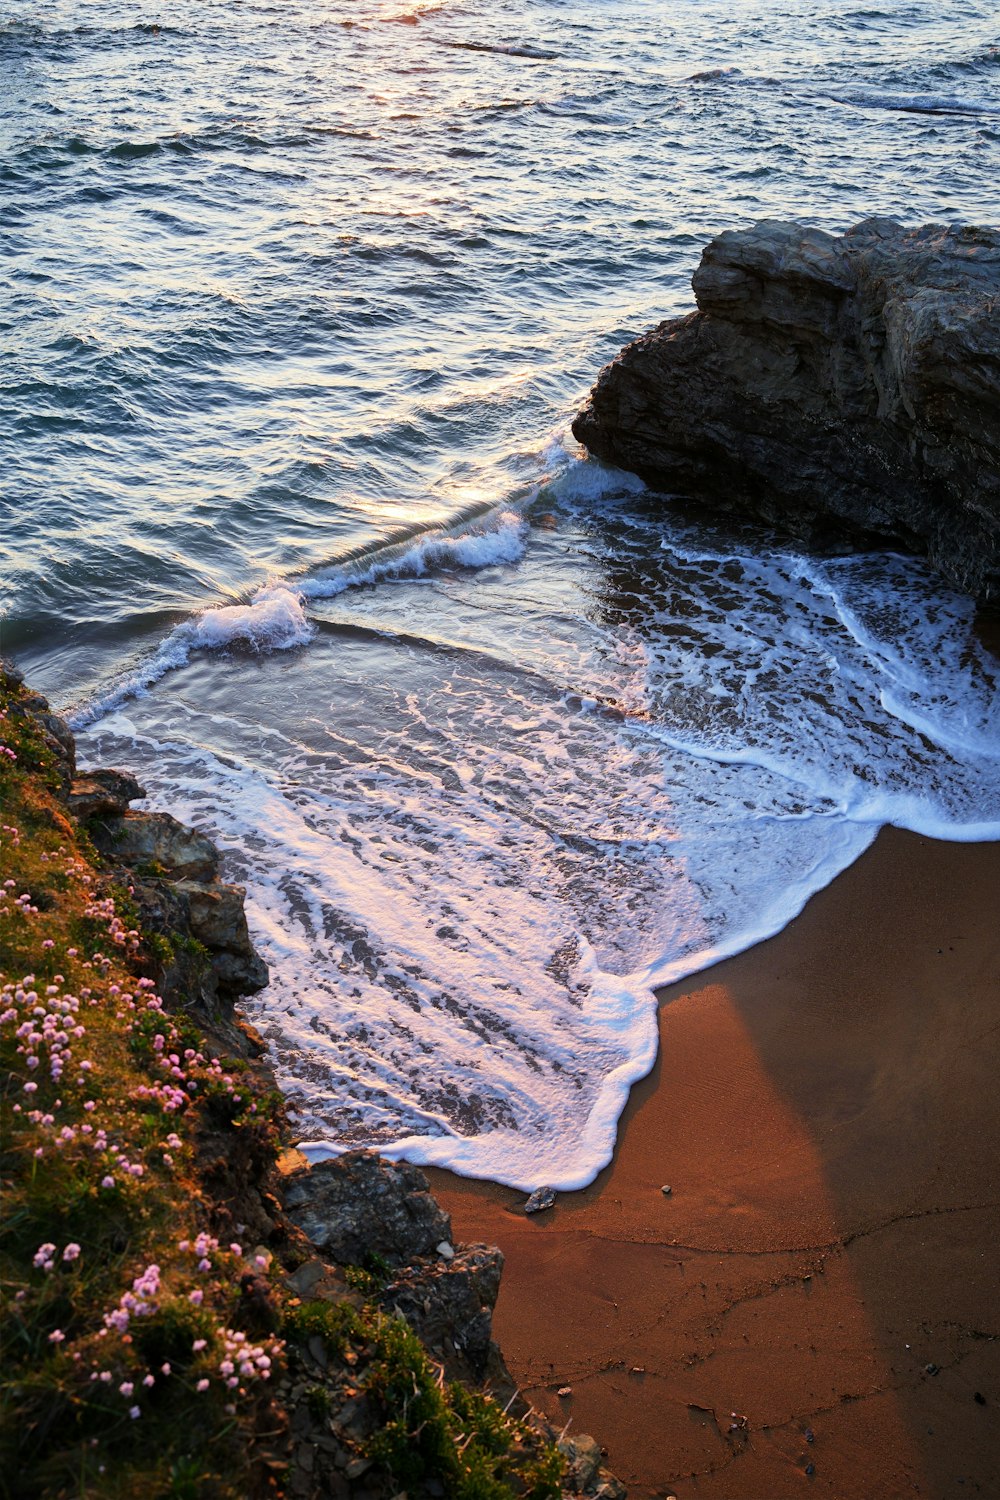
x=173, y=872
x=358, y=1210
x=844, y=387
x=359, y=1242
x=358, y=1205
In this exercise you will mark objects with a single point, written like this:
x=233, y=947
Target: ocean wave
x=919, y=104
x=522, y=49
x=275, y=619
x=865, y=97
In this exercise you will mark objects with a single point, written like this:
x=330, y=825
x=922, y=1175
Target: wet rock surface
x=541, y=1199
x=846, y=388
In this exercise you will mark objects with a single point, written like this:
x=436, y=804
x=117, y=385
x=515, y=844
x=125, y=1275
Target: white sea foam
x=489, y=813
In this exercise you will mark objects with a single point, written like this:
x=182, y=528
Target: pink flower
x=107, y=1182
x=202, y=1385
x=72, y=1252
x=134, y=1413
x=196, y=1297
x=126, y=1387
x=56, y=1336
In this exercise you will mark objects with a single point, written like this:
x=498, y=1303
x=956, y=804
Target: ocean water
x=300, y=301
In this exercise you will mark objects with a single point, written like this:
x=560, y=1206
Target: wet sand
x=826, y=1110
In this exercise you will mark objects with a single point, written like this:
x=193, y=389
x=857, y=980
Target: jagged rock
x=103, y=793
x=358, y=1204
x=217, y=919
x=450, y=1307
x=157, y=841
x=846, y=388
x=541, y=1199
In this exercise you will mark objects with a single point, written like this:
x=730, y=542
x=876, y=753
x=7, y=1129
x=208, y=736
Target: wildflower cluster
x=204, y=1350
x=7, y=752
x=102, y=909
x=48, y=1031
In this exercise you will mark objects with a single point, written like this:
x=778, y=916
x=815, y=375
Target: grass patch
x=126, y=1371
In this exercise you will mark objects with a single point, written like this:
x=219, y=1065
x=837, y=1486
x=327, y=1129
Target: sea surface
x=299, y=302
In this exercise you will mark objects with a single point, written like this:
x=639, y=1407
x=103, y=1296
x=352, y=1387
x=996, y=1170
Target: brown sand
x=826, y=1110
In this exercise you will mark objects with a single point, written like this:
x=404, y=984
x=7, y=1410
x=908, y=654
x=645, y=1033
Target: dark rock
x=173, y=870
x=56, y=733
x=217, y=919
x=846, y=388
x=358, y=1205
x=158, y=842
x=103, y=793
x=541, y=1198
x=450, y=1307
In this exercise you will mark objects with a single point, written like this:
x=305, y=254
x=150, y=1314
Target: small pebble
x=810, y=1469
x=933, y=1369
x=809, y=1435
x=445, y=1250
x=565, y=1390
x=979, y=1398
x=541, y=1198
x=666, y=1190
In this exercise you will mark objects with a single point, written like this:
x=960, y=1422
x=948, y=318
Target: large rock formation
x=846, y=388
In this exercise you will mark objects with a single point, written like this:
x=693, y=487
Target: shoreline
x=824, y=1109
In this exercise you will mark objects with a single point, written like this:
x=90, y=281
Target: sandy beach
x=815, y=1306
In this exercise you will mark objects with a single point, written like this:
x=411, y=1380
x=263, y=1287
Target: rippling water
x=301, y=301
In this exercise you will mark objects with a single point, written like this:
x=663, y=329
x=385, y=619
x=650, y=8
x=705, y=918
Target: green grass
x=98, y=1152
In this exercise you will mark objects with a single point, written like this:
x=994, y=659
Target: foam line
x=274, y=618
